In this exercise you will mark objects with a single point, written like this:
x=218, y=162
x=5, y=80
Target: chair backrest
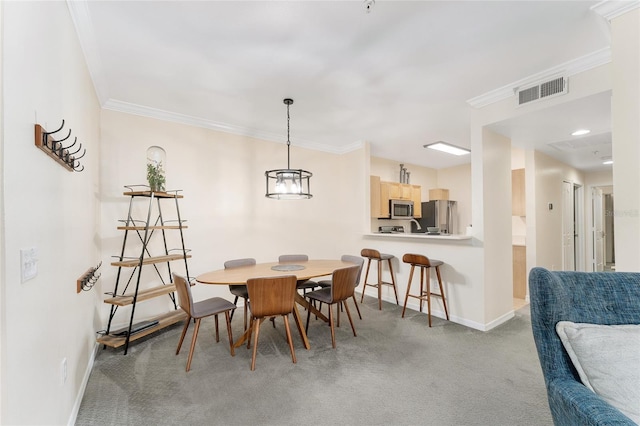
x=370, y=253
x=272, y=295
x=608, y=298
x=293, y=258
x=343, y=282
x=236, y=263
x=183, y=288
x=416, y=259
x=358, y=261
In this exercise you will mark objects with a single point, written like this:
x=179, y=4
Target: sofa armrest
x=572, y=404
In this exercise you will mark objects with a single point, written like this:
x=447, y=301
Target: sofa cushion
x=607, y=358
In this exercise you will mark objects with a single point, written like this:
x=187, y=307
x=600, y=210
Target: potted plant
x=155, y=170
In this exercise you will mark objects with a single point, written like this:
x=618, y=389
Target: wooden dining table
x=303, y=270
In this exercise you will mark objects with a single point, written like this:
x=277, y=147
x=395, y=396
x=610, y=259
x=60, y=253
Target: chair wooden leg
x=406, y=297
x=424, y=275
x=393, y=281
x=235, y=301
x=217, y=330
x=250, y=331
x=184, y=332
x=444, y=302
x=289, y=339
x=379, y=285
x=346, y=308
x=333, y=332
x=306, y=327
x=355, y=302
x=256, y=330
x=366, y=275
x=246, y=310
x=228, y=318
x=429, y=299
x=193, y=343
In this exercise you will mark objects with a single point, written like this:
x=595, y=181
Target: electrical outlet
x=63, y=371
x=28, y=263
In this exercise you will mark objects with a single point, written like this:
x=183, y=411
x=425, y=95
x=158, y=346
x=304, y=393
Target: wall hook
x=88, y=279
x=54, y=148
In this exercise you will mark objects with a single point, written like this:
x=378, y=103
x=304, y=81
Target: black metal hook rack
x=89, y=278
x=55, y=149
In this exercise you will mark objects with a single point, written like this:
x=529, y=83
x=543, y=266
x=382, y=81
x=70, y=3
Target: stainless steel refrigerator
x=438, y=213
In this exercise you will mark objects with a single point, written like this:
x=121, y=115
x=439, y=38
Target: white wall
x=625, y=110
x=47, y=207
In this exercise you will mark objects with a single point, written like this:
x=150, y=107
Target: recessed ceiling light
x=607, y=160
x=580, y=132
x=448, y=148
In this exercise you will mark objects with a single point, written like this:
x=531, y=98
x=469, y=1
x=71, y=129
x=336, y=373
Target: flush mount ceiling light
x=448, y=148
x=581, y=132
x=288, y=184
x=607, y=160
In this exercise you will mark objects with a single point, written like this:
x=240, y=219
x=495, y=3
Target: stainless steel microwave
x=400, y=209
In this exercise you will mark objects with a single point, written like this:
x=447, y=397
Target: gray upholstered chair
x=594, y=298
x=197, y=311
x=351, y=259
x=343, y=282
x=303, y=285
x=241, y=289
x=272, y=296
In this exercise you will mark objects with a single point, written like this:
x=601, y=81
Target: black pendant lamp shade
x=288, y=184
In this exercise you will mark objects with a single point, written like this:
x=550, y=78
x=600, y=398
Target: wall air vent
x=557, y=86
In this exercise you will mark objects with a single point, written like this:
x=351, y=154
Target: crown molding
x=159, y=114
x=575, y=66
x=81, y=17
x=610, y=9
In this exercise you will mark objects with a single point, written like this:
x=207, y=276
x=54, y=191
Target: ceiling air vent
x=557, y=86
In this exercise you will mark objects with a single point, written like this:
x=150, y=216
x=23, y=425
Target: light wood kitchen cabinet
x=519, y=272
x=416, y=197
x=382, y=192
x=518, y=201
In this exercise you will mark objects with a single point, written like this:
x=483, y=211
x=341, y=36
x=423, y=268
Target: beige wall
x=222, y=178
x=49, y=208
x=549, y=175
x=625, y=110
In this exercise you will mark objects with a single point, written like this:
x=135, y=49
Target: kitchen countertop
x=422, y=236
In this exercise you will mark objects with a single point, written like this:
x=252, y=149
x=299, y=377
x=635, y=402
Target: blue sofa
x=609, y=298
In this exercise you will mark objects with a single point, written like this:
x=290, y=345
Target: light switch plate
x=28, y=263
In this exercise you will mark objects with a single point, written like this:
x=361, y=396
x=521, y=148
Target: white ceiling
x=398, y=77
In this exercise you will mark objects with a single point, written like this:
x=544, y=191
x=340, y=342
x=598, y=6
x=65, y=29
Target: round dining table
x=303, y=270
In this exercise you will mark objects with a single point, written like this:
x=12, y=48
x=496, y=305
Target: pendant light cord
x=288, y=142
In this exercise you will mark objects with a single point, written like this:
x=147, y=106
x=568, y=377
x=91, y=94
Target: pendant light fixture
x=288, y=184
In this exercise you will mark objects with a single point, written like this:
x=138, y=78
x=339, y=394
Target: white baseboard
x=437, y=312
x=83, y=387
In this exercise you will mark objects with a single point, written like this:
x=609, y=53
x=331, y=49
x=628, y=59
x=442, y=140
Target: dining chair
x=351, y=259
x=199, y=310
x=241, y=289
x=303, y=285
x=343, y=283
x=270, y=296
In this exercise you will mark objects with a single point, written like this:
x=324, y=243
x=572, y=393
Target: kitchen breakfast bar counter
x=421, y=236
x=463, y=274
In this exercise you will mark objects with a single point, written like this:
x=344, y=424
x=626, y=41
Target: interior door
x=598, y=230
x=568, y=231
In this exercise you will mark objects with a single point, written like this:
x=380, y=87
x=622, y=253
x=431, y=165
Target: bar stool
x=424, y=264
x=372, y=254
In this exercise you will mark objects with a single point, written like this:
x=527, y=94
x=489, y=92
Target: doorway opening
x=602, y=205
x=572, y=220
